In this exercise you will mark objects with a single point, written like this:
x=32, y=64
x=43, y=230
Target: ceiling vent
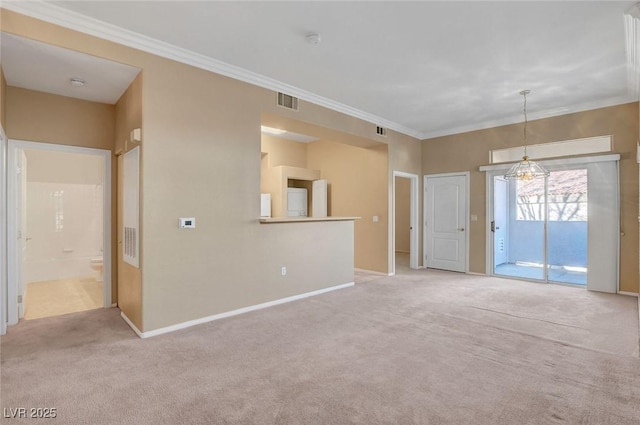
x=381, y=131
x=287, y=101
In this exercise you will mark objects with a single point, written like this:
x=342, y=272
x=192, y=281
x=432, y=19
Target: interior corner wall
x=468, y=151
x=358, y=185
x=128, y=117
x=47, y=118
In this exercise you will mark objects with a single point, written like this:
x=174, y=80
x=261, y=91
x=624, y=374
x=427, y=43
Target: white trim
x=476, y=274
x=628, y=294
x=131, y=325
x=549, y=113
x=557, y=162
x=632, y=40
x=371, y=272
x=467, y=176
x=69, y=19
x=600, y=145
x=3, y=231
x=414, y=217
x=12, y=285
x=231, y=313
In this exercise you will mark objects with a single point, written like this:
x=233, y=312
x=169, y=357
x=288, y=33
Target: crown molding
x=58, y=15
x=548, y=113
x=632, y=38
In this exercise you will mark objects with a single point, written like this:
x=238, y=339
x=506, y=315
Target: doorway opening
x=524, y=210
x=560, y=229
x=59, y=207
x=404, y=237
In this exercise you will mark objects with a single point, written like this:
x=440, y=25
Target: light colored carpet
x=56, y=297
x=422, y=347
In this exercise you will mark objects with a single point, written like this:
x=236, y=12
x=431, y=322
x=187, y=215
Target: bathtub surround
x=64, y=224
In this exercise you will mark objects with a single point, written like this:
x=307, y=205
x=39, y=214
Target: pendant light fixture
x=525, y=169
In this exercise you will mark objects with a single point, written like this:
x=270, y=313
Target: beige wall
x=284, y=152
x=47, y=118
x=468, y=151
x=201, y=158
x=403, y=214
x=128, y=117
x=357, y=179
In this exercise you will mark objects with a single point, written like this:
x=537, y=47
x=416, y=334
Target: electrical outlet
x=283, y=271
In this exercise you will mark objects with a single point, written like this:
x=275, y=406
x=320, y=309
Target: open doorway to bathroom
x=58, y=204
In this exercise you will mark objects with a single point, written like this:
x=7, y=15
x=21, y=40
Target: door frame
x=414, y=214
x=14, y=260
x=3, y=231
x=499, y=169
x=466, y=175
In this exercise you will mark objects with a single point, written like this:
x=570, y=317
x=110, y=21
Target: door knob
x=461, y=229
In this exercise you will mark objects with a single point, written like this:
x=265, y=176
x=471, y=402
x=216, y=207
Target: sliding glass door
x=563, y=228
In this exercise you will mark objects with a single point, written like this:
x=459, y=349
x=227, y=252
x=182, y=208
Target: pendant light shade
x=525, y=169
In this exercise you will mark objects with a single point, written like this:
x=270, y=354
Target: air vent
x=130, y=243
x=287, y=101
x=381, y=131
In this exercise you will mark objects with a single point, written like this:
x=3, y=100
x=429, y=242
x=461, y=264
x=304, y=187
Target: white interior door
x=446, y=222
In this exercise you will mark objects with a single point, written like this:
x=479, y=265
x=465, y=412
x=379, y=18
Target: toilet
x=96, y=264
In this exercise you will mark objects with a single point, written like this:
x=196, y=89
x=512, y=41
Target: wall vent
x=381, y=131
x=130, y=242
x=287, y=101
x=131, y=207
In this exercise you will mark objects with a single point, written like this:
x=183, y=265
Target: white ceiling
x=38, y=66
x=422, y=68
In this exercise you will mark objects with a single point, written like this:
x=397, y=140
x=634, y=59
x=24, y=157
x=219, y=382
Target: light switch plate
x=187, y=222
x=376, y=219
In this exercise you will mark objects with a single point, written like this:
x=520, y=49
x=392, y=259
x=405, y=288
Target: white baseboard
x=628, y=294
x=131, y=325
x=373, y=272
x=231, y=313
x=476, y=274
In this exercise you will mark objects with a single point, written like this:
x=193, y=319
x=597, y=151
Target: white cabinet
x=296, y=202
x=319, y=198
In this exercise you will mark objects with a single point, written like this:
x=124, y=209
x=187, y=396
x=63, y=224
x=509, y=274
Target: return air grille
x=287, y=101
x=130, y=245
x=381, y=131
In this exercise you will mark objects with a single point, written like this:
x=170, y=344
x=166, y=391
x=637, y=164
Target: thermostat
x=187, y=222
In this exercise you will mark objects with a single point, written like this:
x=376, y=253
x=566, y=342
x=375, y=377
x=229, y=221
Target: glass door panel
x=519, y=228
x=567, y=227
